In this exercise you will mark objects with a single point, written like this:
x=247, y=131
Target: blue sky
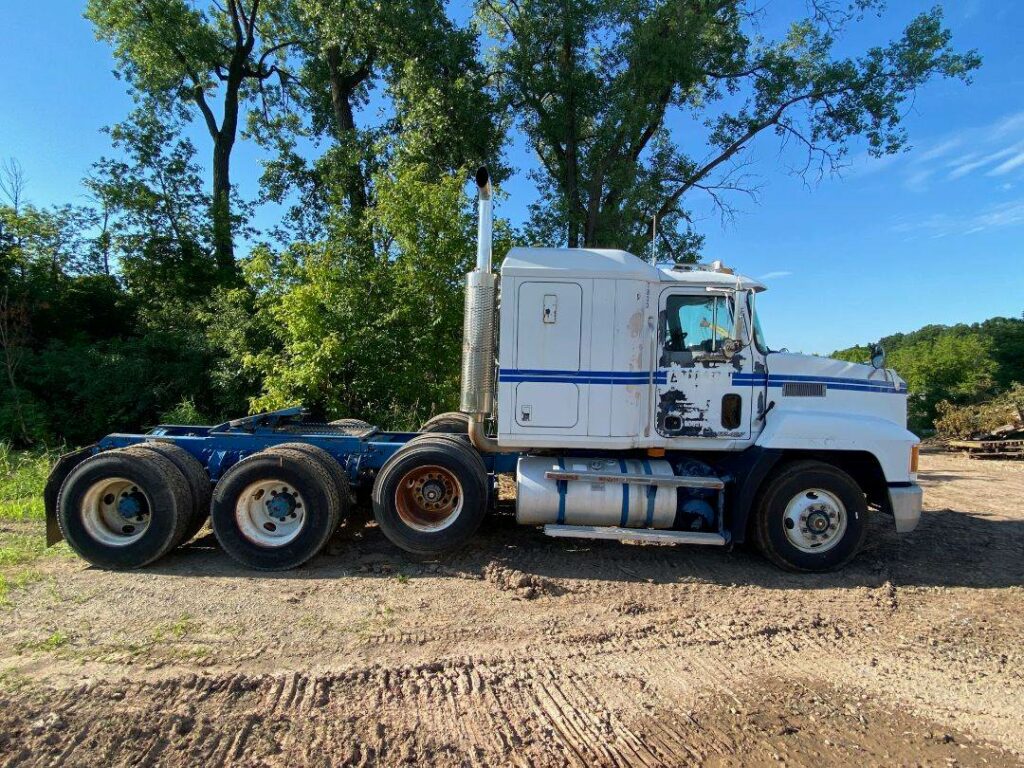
x=935, y=235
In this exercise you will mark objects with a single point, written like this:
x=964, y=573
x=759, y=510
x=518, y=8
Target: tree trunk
x=9, y=323
x=223, y=143
x=220, y=211
x=342, y=87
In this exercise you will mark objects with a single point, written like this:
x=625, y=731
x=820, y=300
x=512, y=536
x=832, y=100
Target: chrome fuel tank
x=582, y=502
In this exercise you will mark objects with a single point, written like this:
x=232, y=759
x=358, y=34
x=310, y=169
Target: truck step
x=646, y=535
x=672, y=481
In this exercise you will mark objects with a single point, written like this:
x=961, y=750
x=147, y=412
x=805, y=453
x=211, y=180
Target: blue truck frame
x=360, y=451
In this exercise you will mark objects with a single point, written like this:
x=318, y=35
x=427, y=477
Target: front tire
x=430, y=496
x=811, y=516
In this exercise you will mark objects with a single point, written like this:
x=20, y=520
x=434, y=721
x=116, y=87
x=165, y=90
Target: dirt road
x=535, y=651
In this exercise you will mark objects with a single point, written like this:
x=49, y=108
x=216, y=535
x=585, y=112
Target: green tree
x=363, y=305
x=955, y=367
x=184, y=56
x=603, y=90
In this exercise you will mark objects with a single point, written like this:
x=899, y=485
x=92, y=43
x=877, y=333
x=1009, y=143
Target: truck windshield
x=696, y=323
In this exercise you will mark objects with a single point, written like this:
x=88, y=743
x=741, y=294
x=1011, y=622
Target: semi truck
x=632, y=401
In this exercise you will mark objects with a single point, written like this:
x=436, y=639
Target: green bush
x=22, y=477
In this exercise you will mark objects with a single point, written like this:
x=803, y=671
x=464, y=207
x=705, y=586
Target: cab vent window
x=803, y=389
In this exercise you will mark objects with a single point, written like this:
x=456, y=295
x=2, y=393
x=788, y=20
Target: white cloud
x=918, y=180
x=959, y=154
x=775, y=275
x=940, y=149
x=998, y=216
x=1003, y=168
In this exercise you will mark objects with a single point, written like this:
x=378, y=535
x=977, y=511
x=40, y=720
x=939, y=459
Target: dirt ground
x=535, y=651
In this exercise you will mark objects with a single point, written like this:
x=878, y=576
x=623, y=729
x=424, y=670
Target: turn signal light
x=915, y=453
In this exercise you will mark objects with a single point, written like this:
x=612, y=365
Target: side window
x=696, y=324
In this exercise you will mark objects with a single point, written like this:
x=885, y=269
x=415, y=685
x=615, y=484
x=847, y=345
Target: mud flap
x=58, y=474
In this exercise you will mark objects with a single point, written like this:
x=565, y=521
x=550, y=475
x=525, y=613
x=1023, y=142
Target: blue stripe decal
x=563, y=487
x=624, y=518
x=637, y=378
x=652, y=491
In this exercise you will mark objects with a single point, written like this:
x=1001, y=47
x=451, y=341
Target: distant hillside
x=959, y=363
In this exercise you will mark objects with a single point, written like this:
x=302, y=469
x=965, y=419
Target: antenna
x=654, y=239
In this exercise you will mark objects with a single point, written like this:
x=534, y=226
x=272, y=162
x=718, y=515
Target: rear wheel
x=812, y=516
x=337, y=473
x=354, y=424
x=430, y=496
x=122, y=509
x=196, y=478
x=275, y=510
x=453, y=422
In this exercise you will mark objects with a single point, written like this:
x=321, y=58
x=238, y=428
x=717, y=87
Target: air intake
x=803, y=389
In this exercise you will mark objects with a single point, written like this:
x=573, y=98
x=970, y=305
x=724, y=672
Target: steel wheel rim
x=815, y=520
x=116, y=512
x=429, y=498
x=270, y=513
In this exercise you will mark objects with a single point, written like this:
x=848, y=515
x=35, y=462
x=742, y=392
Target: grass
x=22, y=477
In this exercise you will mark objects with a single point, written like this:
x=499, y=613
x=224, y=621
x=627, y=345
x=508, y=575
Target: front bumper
x=905, y=502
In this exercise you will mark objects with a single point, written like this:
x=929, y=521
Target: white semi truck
x=633, y=402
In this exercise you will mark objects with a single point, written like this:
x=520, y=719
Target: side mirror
x=877, y=356
x=742, y=333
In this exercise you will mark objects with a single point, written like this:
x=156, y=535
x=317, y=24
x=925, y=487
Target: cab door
x=701, y=390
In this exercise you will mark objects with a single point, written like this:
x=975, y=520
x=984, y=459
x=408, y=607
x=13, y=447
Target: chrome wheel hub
x=115, y=512
x=815, y=520
x=270, y=513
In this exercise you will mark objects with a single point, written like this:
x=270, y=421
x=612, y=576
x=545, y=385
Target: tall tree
x=185, y=55
x=603, y=90
x=382, y=235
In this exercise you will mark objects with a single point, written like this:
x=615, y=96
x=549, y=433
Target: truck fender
x=58, y=475
x=822, y=431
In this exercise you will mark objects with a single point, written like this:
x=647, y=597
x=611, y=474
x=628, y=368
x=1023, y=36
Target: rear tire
x=811, y=516
x=275, y=510
x=196, y=477
x=122, y=509
x=431, y=495
x=351, y=423
x=453, y=423
x=338, y=475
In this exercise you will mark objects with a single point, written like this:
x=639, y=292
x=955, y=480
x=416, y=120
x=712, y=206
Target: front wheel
x=812, y=516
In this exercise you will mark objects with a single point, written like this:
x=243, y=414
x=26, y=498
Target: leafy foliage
x=951, y=366
x=141, y=306
x=966, y=421
x=601, y=88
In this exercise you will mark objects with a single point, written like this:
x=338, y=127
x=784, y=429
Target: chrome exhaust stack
x=478, y=334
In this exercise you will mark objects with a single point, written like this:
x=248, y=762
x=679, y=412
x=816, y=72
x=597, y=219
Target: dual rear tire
x=274, y=510
x=125, y=508
x=277, y=509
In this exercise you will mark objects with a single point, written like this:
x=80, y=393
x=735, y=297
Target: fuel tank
x=581, y=502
